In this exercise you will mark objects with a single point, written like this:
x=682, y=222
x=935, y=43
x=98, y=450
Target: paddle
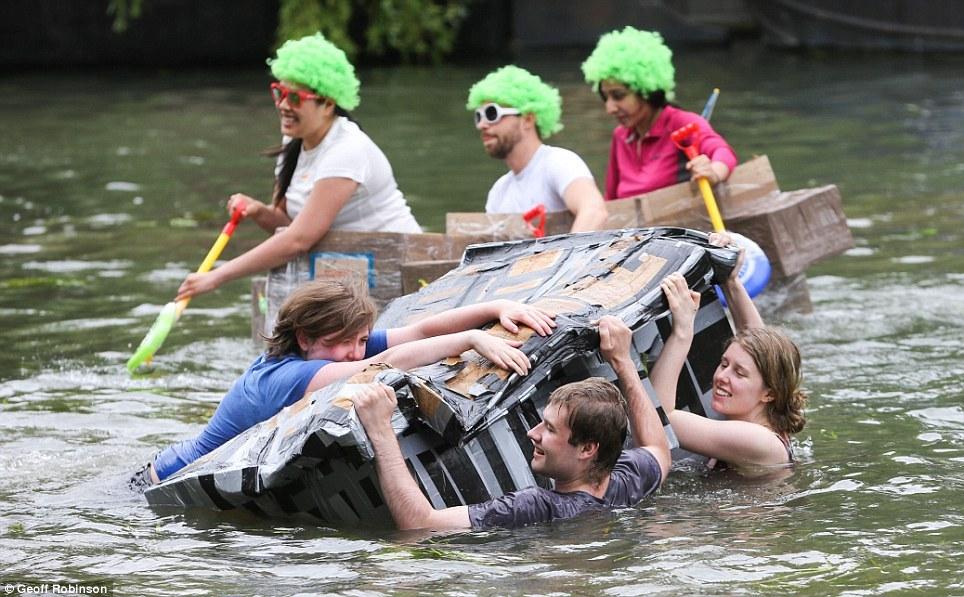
x=707, y=112
x=172, y=311
x=756, y=269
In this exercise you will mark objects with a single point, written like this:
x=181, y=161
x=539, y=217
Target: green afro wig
x=315, y=62
x=514, y=87
x=638, y=59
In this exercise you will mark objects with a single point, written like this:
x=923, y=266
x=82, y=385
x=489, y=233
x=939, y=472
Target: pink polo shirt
x=653, y=162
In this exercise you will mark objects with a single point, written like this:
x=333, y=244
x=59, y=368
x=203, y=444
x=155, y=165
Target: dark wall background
x=168, y=33
x=41, y=33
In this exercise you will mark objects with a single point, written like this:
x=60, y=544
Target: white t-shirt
x=346, y=152
x=544, y=180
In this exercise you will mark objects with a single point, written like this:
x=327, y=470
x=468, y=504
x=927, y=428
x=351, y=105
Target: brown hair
x=318, y=309
x=596, y=414
x=777, y=359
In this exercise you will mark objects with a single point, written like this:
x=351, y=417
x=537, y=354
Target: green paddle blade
x=154, y=338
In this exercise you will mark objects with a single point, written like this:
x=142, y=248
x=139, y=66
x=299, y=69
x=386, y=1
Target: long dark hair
x=289, y=159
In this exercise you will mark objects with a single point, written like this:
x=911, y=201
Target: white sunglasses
x=492, y=113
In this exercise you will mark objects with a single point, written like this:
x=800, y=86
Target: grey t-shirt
x=635, y=476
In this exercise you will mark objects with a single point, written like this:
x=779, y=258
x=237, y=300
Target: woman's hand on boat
x=511, y=314
x=196, y=284
x=615, y=339
x=724, y=239
x=248, y=205
x=683, y=303
x=503, y=353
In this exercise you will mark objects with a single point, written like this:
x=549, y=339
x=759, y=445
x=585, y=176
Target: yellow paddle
x=687, y=139
x=172, y=311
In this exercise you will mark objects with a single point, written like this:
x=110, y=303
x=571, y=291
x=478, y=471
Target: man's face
x=553, y=455
x=501, y=137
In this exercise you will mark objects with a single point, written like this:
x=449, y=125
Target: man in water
x=514, y=112
x=578, y=444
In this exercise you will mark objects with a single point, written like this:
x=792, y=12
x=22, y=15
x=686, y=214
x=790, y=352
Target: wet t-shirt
x=635, y=476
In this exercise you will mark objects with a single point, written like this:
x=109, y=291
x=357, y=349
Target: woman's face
x=738, y=389
x=304, y=120
x=626, y=106
x=330, y=348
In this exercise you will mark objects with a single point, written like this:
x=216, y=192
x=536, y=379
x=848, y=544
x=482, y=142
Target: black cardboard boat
x=462, y=422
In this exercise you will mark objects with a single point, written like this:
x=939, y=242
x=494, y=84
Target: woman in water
x=633, y=73
x=324, y=334
x=756, y=386
x=329, y=175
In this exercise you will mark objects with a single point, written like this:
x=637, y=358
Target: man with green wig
x=514, y=111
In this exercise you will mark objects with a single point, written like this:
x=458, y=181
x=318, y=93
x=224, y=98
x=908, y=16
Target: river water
x=112, y=187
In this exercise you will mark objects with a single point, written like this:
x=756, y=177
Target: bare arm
x=582, y=198
x=615, y=340
x=744, y=312
x=268, y=217
x=683, y=304
x=509, y=314
x=502, y=353
x=326, y=200
x=374, y=404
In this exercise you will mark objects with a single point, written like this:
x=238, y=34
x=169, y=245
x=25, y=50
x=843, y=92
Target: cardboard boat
x=462, y=422
x=795, y=229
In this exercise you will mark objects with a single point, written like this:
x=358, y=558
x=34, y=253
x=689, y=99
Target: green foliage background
x=412, y=30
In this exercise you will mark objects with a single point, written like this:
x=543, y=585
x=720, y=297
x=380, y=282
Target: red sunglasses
x=295, y=96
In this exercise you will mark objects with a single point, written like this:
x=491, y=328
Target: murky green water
x=112, y=188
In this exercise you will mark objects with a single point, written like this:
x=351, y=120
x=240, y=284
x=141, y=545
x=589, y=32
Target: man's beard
x=503, y=146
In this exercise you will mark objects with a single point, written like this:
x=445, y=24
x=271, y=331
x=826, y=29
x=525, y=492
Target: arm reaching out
x=502, y=353
x=268, y=217
x=374, y=404
x=509, y=313
x=615, y=340
x=745, y=314
x=683, y=304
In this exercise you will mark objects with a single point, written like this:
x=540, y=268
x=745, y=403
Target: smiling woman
x=756, y=386
x=329, y=175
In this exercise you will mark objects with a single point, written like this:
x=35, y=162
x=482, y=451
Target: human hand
x=683, y=303
x=512, y=313
x=724, y=239
x=503, y=353
x=615, y=339
x=249, y=206
x=702, y=167
x=374, y=404
x=196, y=284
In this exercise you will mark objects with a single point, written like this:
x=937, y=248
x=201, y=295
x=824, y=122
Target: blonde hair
x=777, y=359
x=318, y=309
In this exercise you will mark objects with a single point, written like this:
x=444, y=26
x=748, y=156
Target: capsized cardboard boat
x=794, y=228
x=462, y=422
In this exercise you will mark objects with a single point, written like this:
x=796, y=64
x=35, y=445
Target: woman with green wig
x=329, y=174
x=633, y=73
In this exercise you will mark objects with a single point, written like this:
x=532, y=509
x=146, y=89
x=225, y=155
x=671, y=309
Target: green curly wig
x=514, y=87
x=638, y=59
x=315, y=62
